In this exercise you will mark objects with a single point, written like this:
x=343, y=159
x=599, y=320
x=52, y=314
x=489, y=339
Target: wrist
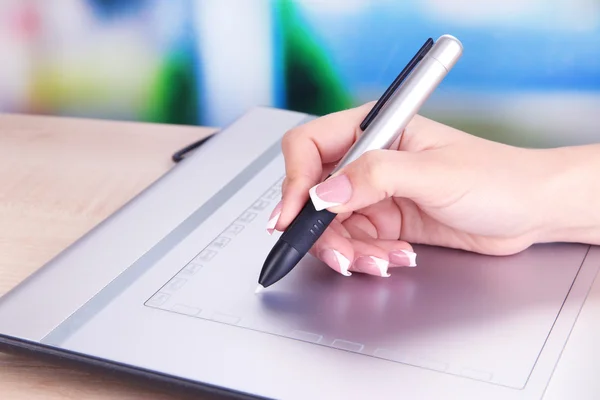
x=570, y=195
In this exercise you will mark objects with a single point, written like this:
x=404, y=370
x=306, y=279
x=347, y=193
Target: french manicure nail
x=274, y=218
x=372, y=265
x=336, y=260
x=403, y=258
x=333, y=192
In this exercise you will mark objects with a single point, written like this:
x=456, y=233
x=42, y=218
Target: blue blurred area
x=530, y=73
x=373, y=45
x=117, y=8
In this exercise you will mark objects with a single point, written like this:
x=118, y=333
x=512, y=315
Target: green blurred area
x=311, y=84
x=173, y=94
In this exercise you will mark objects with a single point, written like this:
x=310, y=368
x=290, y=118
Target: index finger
x=307, y=148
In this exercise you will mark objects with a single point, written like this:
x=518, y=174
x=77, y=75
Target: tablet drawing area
x=483, y=318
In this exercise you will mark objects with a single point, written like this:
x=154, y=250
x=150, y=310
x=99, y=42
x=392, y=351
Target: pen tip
x=259, y=289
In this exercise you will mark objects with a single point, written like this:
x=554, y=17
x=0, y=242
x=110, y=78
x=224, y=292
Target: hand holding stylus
x=381, y=127
x=437, y=186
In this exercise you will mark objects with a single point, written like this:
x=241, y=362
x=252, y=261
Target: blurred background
x=530, y=73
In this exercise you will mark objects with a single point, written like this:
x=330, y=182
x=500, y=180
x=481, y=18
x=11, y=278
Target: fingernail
x=372, y=265
x=336, y=260
x=403, y=258
x=274, y=218
x=332, y=192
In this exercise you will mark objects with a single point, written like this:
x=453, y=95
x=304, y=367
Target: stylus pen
x=381, y=127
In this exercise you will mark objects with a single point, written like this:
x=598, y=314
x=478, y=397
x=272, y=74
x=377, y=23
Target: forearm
x=572, y=195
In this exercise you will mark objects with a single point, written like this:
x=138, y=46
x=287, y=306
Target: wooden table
x=58, y=178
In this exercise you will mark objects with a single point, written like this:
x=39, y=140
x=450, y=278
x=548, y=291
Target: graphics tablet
x=165, y=288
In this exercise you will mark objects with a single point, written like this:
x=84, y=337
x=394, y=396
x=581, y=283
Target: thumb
x=374, y=176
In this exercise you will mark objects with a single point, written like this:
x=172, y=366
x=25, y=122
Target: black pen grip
x=307, y=227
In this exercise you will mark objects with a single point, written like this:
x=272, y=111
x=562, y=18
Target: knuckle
x=374, y=169
x=290, y=137
x=295, y=182
x=371, y=164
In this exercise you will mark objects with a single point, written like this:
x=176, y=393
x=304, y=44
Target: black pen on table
x=381, y=127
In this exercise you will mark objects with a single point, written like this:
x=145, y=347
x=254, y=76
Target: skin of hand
x=436, y=185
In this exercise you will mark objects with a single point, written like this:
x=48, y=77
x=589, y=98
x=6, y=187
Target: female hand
x=436, y=185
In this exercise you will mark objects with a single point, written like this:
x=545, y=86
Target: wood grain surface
x=59, y=177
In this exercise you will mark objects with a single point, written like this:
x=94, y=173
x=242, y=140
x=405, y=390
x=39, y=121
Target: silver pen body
x=407, y=100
